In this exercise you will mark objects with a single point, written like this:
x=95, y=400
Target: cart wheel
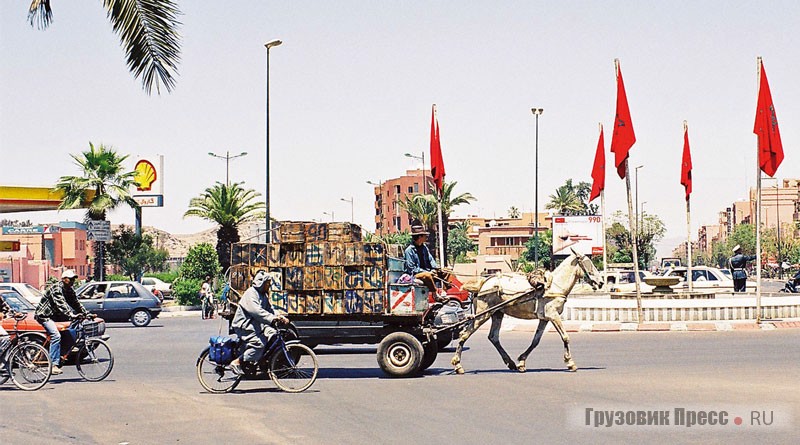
x=429, y=356
x=400, y=354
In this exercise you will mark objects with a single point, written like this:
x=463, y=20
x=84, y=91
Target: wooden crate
x=279, y=301
x=293, y=255
x=333, y=254
x=275, y=233
x=274, y=255
x=395, y=250
x=259, y=255
x=296, y=302
x=293, y=278
x=344, y=232
x=374, y=277
x=314, y=302
x=239, y=254
x=292, y=232
x=333, y=302
x=353, y=301
x=315, y=254
x=374, y=301
x=313, y=278
x=353, y=254
x=353, y=277
x=240, y=277
x=316, y=232
x=374, y=254
x=333, y=277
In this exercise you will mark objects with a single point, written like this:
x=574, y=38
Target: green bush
x=186, y=291
x=116, y=277
x=201, y=261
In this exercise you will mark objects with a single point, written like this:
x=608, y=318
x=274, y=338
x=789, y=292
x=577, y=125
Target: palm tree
x=104, y=174
x=564, y=200
x=148, y=30
x=229, y=206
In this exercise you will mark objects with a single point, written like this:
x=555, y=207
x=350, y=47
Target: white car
x=26, y=290
x=704, y=278
x=152, y=284
x=625, y=281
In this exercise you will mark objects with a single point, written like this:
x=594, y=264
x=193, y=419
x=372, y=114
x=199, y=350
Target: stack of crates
x=324, y=268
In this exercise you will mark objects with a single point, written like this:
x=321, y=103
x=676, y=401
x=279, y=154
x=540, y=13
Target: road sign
x=98, y=231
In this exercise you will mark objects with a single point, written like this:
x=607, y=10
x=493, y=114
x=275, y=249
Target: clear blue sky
x=352, y=86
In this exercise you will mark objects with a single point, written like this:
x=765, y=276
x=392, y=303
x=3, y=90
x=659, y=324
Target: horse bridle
x=583, y=269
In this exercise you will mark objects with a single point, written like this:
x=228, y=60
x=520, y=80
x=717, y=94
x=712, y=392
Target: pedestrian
x=207, y=298
x=737, y=264
x=59, y=303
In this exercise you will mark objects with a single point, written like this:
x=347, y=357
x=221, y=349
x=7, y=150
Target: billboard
x=582, y=233
x=149, y=178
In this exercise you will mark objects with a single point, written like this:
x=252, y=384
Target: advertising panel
x=582, y=233
x=149, y=178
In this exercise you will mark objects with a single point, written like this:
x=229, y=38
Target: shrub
x=201, y=261
x=116, y=277
x=186, y=291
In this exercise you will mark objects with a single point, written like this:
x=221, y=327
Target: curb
x=726, y=326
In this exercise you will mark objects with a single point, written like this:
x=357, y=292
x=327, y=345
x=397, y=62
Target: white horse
x=544, y=303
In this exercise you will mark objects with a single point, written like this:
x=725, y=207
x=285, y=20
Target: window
x=416, y=187
x=397, y=190
x=122, y=290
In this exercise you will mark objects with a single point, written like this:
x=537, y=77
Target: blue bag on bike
x=221, y=349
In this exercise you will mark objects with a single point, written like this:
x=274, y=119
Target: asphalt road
x=152, y=396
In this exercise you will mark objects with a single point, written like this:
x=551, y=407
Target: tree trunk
x=226, y=236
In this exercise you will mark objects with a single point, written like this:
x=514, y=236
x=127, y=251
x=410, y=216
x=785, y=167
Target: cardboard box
x=293, y=277
x=353, y=301
x=353, y=277
x=374, y=277
x=333, y=302
x=333, y=277
x=315, y=254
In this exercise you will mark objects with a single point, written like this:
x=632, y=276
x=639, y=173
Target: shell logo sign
x=148, y=174
x=145, y=175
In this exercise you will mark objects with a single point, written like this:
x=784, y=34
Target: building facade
x=45, y=251
x=390, y=217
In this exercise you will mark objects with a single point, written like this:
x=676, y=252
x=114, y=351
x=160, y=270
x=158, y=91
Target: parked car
x=30, y=326
x=26, y=290
x=120, y=301
x=152, y=284
x=704, y=278
x=625, y=281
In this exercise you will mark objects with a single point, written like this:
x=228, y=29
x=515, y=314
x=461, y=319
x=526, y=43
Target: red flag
x=437, y=164
x=770, y=149
x=686, y=164
x=598, y=169
x=623, y=138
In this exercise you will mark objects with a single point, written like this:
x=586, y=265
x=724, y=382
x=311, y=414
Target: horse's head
x=588, y=270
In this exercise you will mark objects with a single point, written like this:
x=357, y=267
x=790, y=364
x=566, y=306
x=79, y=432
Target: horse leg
x=494, y=337
x=536, y=339
x=465, y=335
x=565, y=338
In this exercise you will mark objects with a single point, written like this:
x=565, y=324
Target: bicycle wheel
x=94, y=360
x=215, y=378
x=29, y=366
x=4, y=375
x=295, y=369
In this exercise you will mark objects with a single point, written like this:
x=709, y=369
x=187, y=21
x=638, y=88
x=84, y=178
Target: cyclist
x=59, y=303
x=5, y=340
x=253, y=321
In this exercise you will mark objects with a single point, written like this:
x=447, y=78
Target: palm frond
x=40, y=14
x=148, y=30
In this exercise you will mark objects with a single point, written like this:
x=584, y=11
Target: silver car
x=120, y=301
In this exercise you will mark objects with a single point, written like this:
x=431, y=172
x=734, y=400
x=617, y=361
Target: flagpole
x=634, y=249
x=688, y=232
x=441, y=233
x=603, y=224
x=758, y=216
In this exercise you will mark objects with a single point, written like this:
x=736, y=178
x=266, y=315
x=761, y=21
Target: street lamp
x=636, y=215
x=424, y=177
x=227, y=159
x=536, y=112
x=380, y=205
x=351, y=206
x=329, y=214
x=641, y=221
x=268, y=45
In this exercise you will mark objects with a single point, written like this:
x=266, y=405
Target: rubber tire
x=203, y=359
x=145, y=319
x=40, y=352
x=431, y=350
x=84, y=352
x=400, y=354
x=295, y=350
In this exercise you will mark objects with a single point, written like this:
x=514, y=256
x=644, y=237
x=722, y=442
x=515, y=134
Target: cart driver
x=420, y=264
x=254, y=319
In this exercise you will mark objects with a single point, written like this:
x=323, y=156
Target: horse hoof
x=459, y=370
x=572, y=367
x=512, y=366
x=521, y=368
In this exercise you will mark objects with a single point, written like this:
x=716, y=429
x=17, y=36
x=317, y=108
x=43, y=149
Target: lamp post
x=329, y=214
x=380, y=205
x=636, y=193
x=424, y=176
x=536, y=112
x=351, y=206
x=641, y=217
x=268, y=45
x=227, y=159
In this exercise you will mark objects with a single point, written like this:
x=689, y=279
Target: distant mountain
x=178, y=245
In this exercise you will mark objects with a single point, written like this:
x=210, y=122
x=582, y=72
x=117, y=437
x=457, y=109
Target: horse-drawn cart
x=337, y=289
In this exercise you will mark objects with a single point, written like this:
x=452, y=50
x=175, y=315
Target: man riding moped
x=253, y=321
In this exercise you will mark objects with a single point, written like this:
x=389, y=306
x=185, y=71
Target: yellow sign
x=145, y=175
x=9, y=246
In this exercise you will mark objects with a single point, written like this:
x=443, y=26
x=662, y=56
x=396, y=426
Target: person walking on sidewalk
x=207, y=298
x=737, y=264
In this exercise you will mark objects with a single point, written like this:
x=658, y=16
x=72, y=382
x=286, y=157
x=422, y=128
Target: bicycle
x=291, y=365
x=93, y=357
x=27, y=363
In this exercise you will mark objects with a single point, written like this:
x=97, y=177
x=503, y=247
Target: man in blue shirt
x=420, y=264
